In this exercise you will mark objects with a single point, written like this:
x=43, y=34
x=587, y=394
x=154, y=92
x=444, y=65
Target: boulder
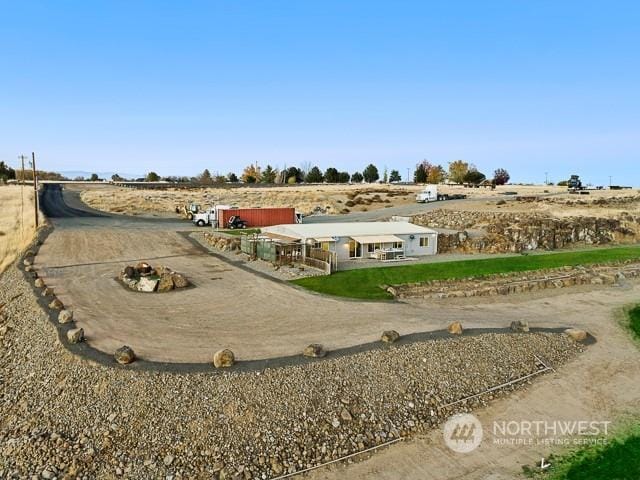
x=165, y=283
x=75, y=335
x=129, y=271
x=389, y=336
x=576, y=334
x=147, y=285
x=161, y=269
x=223, y=358
x=39, y=283
x=314, y=350
x=179, y=280
x=455, y=328
x=65, y=316
x=27, y=262
x=519, y=326
x=47, y=292
x=56, y=304
x=124, y=355
x=28, y=268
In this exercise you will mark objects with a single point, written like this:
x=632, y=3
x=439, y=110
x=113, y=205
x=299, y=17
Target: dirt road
x=229, y=307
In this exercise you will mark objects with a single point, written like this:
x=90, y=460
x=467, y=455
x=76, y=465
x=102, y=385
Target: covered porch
x=378, y=247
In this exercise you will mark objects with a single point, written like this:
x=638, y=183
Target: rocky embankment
x=63, y=417
x=516, y=232
x=222, y=242
x=521, y=282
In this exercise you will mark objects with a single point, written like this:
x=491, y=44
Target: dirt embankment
x=521, y=282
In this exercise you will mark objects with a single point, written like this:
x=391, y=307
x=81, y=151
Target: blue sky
x=531, y=86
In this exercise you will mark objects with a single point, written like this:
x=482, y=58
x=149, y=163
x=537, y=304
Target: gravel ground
x=63, y=417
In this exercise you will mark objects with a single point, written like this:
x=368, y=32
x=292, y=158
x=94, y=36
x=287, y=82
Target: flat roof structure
x=326, y=232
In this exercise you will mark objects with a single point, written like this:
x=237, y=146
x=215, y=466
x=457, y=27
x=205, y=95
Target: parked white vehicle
x=429, y=194
x=209, y=216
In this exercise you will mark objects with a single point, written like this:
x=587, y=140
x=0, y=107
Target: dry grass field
x=17, y=224
x=326, y=198
x=335, y=199
x=306, y=199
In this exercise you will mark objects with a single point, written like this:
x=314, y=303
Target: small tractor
x=574, y=184
x=236, y=222
x=188, y=210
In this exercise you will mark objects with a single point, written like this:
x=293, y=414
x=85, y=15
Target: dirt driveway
x=229, y=307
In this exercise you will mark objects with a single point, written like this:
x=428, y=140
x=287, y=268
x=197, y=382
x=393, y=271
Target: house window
x=371, y=247
x=316, y=245
x=424, y=241
x=397, y=244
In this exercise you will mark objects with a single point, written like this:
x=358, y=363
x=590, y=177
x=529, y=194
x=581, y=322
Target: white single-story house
x=354, y=240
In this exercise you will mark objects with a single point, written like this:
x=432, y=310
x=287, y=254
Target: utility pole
x=22, y=157
x=35, y=187
x=546, y=178
x=609, y=182
x=408, y=174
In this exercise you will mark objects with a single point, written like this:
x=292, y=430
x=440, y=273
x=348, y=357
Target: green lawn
x=634, y=321
x=365, y=283
x=618, y=460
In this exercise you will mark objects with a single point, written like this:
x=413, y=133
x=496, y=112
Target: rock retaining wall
x=222, y=242
x=513, y=232
x=506, y=284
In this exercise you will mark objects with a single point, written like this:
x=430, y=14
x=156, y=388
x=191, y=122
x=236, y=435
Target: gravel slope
x=65, y=418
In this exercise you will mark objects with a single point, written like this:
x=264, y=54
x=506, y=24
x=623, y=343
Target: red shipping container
x=260, y=217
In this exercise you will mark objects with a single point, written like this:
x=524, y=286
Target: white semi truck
x=430, y=194
x=210, y=215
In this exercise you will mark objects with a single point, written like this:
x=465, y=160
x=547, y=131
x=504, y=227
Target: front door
x=355, y=249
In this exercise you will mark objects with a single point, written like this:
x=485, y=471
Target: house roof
x=347, y=229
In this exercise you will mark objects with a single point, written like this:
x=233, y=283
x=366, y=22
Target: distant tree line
x=458, y=171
